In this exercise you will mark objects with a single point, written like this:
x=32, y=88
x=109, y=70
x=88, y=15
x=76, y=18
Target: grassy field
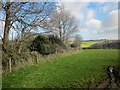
x=86, y=44
x=77, y=70
x=89, y=43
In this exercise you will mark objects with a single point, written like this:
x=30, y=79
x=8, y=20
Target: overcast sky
x=98, y=20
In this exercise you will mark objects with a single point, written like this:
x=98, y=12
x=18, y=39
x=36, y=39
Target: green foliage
x=54, y=39
x=77, y=70
x=45, y=44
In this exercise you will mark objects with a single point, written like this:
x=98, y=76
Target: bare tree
x=77, y=40
x=21, y=17
x=24, y=15
x=63, y=24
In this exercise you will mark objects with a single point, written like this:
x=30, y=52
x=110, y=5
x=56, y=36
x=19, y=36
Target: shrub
x=45, y=44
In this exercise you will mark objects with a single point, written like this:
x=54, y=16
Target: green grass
x=76, y=70
x=88, y=44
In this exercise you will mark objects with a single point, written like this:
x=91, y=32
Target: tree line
x=27, y=18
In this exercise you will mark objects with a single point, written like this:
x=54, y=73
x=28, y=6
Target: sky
x=97, y=20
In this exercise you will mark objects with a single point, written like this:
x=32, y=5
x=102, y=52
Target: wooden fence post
x=36, y=58
x=10, y=65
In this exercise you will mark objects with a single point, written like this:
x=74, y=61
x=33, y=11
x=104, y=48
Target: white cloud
x=90, y=14
x=76, y=8
x=83, y=30
x=104, y=8
x=109, y=26
x=91, y=25
x=109, y=6
x=111, y=20
x=94, y=23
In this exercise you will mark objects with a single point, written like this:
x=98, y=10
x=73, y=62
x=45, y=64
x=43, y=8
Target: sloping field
x=89, y=43
x=77, y=70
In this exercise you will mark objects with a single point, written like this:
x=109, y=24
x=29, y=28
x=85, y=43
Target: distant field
x=86, y=44
x=76, y=70
x=89, y=43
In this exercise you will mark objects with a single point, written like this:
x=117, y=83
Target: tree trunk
x=7, y=25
